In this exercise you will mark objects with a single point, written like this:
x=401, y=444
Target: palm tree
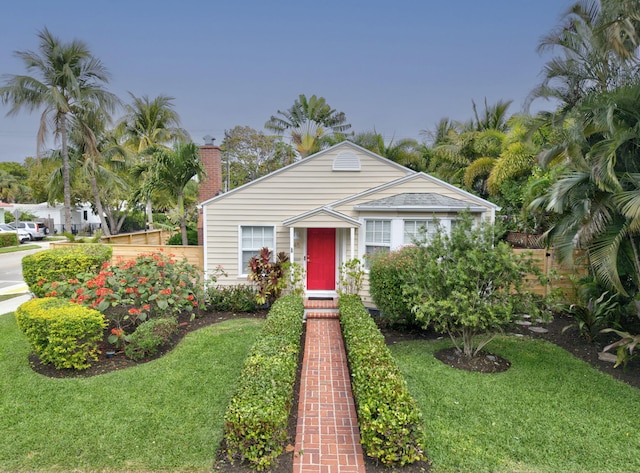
x=170, y=172
x=67, y=79
x=10, y=187
x=309, y=122
x=150, y=123
x=406, y=151
x=597, y=42
x=597, y=197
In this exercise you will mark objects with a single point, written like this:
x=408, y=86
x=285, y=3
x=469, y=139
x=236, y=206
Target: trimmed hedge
x=8, y=239
x=389, y=419
x=61, y=332
x=257, y=416
x=387, y=275
x=61, y=264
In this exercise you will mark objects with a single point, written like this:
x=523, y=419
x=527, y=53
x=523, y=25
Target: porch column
x=291, y=244
x=353, y=239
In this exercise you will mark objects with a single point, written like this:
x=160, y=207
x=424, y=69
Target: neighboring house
x=4, y=207
x=326, y=209
x=83, y=219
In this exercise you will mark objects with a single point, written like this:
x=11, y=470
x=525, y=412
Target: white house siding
x=294, y=190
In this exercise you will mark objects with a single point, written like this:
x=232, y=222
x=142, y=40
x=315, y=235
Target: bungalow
x=341, y=203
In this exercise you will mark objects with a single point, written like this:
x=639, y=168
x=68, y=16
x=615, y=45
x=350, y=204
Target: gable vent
x=346, y=161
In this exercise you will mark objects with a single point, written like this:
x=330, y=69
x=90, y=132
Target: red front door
x=321, y=259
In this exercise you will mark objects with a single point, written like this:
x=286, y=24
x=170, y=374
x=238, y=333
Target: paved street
x=11, y=281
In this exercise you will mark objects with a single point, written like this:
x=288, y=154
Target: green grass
x=6, y=297
x=166, y=415
x=14, y=249
x=550, y=412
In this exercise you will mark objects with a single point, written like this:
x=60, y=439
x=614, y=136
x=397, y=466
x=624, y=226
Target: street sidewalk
x=10, y=305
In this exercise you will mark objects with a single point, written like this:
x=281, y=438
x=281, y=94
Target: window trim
x=241, y=269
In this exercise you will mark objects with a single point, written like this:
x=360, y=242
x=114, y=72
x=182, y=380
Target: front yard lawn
x=550, y=412
x=165, y=415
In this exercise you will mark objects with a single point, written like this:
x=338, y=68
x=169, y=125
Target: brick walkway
x=327, y=435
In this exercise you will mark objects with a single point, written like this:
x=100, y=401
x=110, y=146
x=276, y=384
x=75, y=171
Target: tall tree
x=251, y=154
x=309, y=122
x=150, y=123
x=67, y=78
x=597, y=42
x=170, y=172
x=406, y=151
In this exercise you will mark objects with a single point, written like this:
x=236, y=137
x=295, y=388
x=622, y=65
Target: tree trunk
x=98, y=202
x=66, y=179
x=183, y=220
x=149, y=214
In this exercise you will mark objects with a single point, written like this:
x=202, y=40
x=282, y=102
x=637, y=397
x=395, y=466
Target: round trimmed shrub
x=149, y=336
x=61, y=264
x=60, y=332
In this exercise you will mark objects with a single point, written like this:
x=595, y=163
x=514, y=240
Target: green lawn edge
x=166, y=415
x=550, y=412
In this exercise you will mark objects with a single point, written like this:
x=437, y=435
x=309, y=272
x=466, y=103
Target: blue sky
x=393, y=66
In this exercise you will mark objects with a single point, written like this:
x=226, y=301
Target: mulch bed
x=486, y=362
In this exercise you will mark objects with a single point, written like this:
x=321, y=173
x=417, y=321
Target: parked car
x=23, y=235
x=36, y=230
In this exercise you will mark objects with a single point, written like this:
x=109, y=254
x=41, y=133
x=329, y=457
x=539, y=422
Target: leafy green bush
x=467, y=285
x=8, y=239
x=129, y=292
x=149, y=336
x=238, y=298
x=388, y=273
x=176, y=238
x=61, y=264
x=60, y=332
x=257, y=416
x=389, y=419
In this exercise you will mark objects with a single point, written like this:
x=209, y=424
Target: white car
x=36, y=230
x=22, y=234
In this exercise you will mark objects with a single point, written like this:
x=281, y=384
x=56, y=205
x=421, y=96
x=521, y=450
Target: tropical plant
x=308, y=122
x=598, y=43
x=625, y=347
x=150, y=123
x=67, y=80
x=406, y=151
x=169, y=172
x=597, y=196
x=270, y=276
x=592, y=316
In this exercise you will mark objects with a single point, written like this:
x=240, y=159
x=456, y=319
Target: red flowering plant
x=132, y=291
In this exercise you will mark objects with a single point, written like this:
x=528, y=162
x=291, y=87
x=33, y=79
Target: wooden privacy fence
x=559, y=276
x=193, y=254
x=149, y=237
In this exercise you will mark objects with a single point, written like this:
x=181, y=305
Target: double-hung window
x=253, y=239
x=377, y=236
x=417, y=230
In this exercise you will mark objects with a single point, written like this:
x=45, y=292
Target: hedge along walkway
x=327, y=434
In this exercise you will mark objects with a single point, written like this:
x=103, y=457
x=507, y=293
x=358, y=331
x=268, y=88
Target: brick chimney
x=212, y=184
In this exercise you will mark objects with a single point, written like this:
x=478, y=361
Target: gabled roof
x=348, y=145
x=321, y=211
x=419, y=203
x=418, y=175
